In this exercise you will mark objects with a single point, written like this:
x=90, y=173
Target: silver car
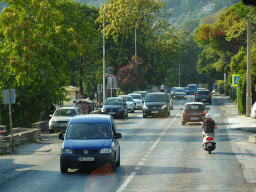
x=129, y=101
x=61, y=117
x=137, y=100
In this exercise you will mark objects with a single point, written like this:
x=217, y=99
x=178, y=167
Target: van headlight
x=106, y=150
x=164, y=107
x=66, y=151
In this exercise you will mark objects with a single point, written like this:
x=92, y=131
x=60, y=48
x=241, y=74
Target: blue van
x=192, y=88
x=90, y=139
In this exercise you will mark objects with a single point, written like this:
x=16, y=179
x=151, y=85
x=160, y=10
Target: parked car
x=90, y=140
x=61, y=117
x=137, y=100
x=156, y=103
x=115, y=106
x=193, y=112
x=253, y=111
x=129, y=101
x=171, y=101
x=179, y=93
x=203, y=95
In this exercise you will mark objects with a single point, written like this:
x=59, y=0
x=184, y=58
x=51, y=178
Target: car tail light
x=209, y=138
x=209, y=95
x=197, y=95
x=205, y=112
x=184, y=113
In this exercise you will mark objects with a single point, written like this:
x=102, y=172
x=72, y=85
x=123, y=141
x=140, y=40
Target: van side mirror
x=118, y=136
x=61, y=136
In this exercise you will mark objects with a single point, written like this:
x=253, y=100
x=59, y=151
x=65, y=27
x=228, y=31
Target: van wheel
x=113, y=163
x=118, y=162
x=63, y=169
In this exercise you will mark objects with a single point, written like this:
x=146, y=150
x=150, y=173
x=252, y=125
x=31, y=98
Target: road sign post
x=8, y=99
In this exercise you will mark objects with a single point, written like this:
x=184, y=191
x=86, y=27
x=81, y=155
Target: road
x=157, y=154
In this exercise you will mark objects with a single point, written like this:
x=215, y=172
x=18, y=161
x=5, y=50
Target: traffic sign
x=9, y=96
x=235, y=79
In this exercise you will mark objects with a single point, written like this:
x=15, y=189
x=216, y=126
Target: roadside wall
x=20, y=135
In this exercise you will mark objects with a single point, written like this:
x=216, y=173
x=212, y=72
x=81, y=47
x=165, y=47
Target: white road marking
x=127, y=181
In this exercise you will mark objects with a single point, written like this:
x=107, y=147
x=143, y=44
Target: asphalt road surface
x=157, y=154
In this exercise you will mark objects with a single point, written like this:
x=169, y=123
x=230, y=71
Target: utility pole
x=104, y=58
x=248, y=83
x=179, y=74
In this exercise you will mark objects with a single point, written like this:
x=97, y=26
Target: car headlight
x=164, y=107
x=103, y=109
x=66, y=151
x=53, y=121
x=106, y=150
x=145, y=107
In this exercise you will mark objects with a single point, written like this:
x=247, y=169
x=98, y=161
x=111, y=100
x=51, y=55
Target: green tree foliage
x=155, y=39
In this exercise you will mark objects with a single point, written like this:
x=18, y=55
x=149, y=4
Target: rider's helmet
x=208, y=115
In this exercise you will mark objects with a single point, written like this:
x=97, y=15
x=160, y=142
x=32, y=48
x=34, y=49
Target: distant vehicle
x=186, y=89
x=192, y=88
x=179, y=93
x=203, y=95
x=155, y=104
x=61, y=117
x=137, y=100
x=143, y=93
x=90, y=140
x=115, y=106
x=129, y=101
x=193, y=112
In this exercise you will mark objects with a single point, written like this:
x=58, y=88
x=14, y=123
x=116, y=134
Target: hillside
x=181, y=10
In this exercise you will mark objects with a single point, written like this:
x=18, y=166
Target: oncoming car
x=59, y=120
x=90, y=140
x=193, y=112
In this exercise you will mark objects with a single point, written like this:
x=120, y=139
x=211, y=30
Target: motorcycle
x=209, y=143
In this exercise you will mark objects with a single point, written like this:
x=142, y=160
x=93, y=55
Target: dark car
x=203, y=96
x=193, y=112
x=179, y=93
x=156, y=103
x=115, y=106
x=90, y=140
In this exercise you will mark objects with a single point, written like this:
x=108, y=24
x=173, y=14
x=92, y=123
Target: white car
x=253, y=110
x=137, y=100
x=129, y=101
x=61, y=117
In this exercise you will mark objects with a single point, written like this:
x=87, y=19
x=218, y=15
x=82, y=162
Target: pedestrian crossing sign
x=235, y=80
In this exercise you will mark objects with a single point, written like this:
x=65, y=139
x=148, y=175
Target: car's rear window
x=194, y=107
x=136, y=96
x=114, y=102
x=88, y=131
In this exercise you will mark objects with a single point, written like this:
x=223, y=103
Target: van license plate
x=154, y=111
x=86, y=159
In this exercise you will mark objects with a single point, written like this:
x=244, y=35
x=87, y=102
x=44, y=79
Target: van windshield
x=88, y=131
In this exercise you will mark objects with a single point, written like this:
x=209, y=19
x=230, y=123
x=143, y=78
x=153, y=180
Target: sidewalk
x=239, y=129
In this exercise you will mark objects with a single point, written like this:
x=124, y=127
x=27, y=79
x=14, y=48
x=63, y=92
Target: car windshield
x=155, y=98
x=179, y=90
x=88, y=131
x=142, y=94
x=65, y=113
x=127, y=98
x=194, y=107
x=114, y=102
x=136, y=96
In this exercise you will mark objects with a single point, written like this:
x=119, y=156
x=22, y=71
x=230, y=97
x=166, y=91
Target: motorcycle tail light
x=209, y=138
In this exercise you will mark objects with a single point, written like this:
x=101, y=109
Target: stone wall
x=42, y=125
x=20, y=135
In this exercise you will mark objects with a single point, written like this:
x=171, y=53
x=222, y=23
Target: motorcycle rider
x=208, y=125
